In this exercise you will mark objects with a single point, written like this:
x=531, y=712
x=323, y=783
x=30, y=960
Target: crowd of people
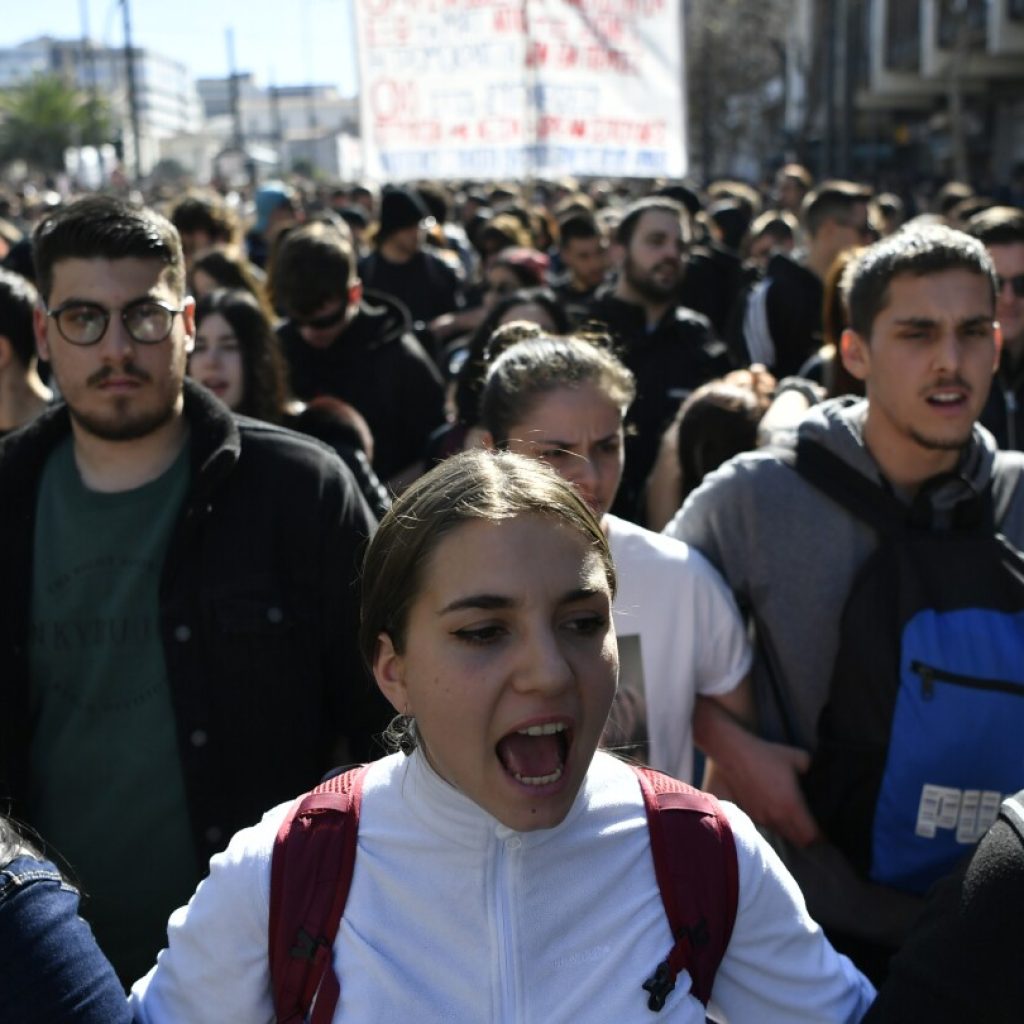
x=505, y=492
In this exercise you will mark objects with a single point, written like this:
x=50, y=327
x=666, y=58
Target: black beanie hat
x=400, y=208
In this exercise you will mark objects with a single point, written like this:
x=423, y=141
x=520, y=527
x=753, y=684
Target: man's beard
x=649, y=289
x=121, y=424
x=940, y=444
x=124, y=429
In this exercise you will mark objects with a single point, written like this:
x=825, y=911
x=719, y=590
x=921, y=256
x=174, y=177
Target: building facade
x=166, y=98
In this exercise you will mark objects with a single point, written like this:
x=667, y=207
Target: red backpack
x=314, y=857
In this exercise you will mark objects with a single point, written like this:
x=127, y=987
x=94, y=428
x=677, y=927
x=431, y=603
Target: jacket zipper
x=931, y=675
x=509, y=981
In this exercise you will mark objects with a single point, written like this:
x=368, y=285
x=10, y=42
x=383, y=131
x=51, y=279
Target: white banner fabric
x=501, y=89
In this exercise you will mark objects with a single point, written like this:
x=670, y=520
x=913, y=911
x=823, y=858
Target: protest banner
x=494, y=89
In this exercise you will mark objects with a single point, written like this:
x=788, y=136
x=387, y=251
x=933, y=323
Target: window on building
x=903, y=36
x=955, y=13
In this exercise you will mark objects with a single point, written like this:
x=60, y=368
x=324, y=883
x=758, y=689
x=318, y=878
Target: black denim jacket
x=258, y=615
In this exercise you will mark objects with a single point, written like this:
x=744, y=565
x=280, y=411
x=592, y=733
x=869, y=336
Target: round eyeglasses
x=83, y=323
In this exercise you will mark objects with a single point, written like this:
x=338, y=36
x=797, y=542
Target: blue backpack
x=922, y=735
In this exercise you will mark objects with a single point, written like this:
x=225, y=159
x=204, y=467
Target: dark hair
x=524, y=373
x=472, y=486
x=264, y=372
x=631, y=217
x=918, y=251
x=732, y=221
x=104, y=227
x=435, y=199
x=313, y=265
x=968, y=208
x=337, y=423
x=207, y=214
x=739, y=192
x=577, y=225
x=544, y=228
x=950, y=195
x=719, y=420
x=778, y=224
x=18, y=299
x=890, y=204
x=685, y=195
x=998, y=225
x=835, y=319
x=230, y=270
x=797, y=173
x=831, y=200
x=890, y=209
x=502, y=232
x=469, y=382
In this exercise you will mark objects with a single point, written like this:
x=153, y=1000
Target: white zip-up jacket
x=453, y=917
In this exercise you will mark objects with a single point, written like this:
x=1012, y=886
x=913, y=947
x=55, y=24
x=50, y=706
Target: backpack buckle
x=659, y=985
x=306, y=947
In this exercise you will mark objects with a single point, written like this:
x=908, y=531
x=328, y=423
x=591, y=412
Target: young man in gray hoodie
x=924, y=340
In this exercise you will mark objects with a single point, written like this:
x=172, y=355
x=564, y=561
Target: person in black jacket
x=357, y=346
x=1001, y=231
x=401, y=267
x=177, y=618
x=778, y=323
x=237, y=356
x=962, y=960
x=670, y=349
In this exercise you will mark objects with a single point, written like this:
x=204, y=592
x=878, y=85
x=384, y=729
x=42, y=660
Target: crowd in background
x=636, y=336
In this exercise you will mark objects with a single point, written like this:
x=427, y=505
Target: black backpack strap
x=1006, y=478
x=773, y=670
x=848, y=487
x=695, y=864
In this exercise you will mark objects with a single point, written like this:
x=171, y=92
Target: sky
x=283, y=42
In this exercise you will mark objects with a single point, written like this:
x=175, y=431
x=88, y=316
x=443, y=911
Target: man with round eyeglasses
x=1001, y=230
x=177, y=622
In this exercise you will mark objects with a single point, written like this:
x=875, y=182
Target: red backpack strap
x=695, y=864
x=310, y=874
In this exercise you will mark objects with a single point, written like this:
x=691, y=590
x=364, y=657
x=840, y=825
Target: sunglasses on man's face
x=321, y=323
x=1016, y=284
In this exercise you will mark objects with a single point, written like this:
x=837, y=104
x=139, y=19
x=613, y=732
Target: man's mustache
x=127, y=370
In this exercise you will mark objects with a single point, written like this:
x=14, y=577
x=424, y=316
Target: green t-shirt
x=106, y=782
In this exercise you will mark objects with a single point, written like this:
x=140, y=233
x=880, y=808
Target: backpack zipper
x=931, y=675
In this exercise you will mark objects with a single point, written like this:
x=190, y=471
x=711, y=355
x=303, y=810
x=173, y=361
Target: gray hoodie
x=791, y=554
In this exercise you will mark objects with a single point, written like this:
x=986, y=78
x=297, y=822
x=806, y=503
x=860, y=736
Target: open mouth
x=536, y=755
x=947, y=399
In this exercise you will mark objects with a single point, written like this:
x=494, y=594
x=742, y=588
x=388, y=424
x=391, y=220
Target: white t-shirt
x=680, y=634
x=454, y=917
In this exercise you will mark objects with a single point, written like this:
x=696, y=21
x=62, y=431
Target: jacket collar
x=214, y=439
x=214, y=436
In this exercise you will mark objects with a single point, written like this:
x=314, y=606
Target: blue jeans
x=51, y=969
